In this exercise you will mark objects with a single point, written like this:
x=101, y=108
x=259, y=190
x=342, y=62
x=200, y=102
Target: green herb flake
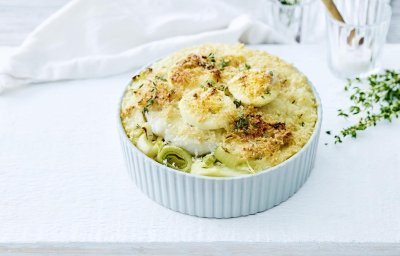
x=224, y=64
x=242, y=123
x=161, y=78
x=237, y=103
x=149, y=103
x=211, y=57
x=342, y=113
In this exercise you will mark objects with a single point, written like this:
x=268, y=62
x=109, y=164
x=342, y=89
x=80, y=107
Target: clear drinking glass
x=296, y=20
x=354, y=46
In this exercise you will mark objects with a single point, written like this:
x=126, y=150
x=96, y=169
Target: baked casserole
x=219, y=110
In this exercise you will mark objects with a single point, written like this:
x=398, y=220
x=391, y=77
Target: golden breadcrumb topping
x=250, y=103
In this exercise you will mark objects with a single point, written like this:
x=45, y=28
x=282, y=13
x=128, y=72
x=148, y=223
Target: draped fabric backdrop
x=97, y=38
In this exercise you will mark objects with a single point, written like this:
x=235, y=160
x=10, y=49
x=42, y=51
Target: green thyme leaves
x=237, y=103
x=224, y=64
x=149, y=103
x=211, y=57
x=242, y=123
x=161, y=78
x=374, y=99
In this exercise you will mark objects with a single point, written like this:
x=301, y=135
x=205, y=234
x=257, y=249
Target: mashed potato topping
x=219, y=110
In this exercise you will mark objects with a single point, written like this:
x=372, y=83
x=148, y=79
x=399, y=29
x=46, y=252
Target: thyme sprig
x=374, y=99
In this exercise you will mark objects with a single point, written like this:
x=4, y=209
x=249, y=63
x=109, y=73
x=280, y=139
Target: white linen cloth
x=96, y=38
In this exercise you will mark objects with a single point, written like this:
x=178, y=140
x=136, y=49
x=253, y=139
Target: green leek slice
x=209, y=160
x=175, y=157
x=228, y=159
x=146, y=146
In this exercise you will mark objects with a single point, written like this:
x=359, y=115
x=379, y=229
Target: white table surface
x=64, y=187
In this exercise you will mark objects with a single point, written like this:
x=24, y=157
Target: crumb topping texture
x=233, y=110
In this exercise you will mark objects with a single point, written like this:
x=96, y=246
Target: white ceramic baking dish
x=220, y=197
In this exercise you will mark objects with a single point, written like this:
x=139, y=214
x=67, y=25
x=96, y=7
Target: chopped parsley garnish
x=374, y=99
x=247, y=66
x=271, y=73
x=328, y=132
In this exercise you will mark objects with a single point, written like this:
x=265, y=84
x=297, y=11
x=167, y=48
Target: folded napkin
x=96, y=38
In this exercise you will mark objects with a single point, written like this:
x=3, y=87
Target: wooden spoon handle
x=333, y=10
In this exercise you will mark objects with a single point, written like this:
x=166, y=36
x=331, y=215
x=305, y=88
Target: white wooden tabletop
x=65, y=190
x=19, y=17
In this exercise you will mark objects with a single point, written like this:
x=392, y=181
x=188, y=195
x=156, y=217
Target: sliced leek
x=175, y=157
x=146, y=146
x=209, y=160
x=228, y=159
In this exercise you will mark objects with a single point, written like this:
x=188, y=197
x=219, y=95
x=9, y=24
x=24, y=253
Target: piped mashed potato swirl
x=219, y=110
